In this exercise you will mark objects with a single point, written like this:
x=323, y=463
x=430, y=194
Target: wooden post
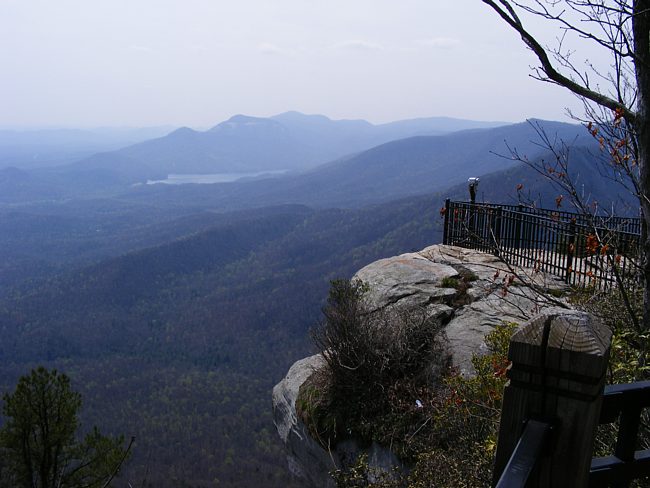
x=557, y=375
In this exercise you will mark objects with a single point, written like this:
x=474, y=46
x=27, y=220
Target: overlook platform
x=582, y=249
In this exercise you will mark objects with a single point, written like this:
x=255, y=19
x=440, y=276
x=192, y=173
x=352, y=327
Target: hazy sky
x=197, y=62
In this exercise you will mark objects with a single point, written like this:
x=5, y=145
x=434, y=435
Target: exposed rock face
x=428, y=279
x=307, y=460
x=410, y=279
x=417, y=279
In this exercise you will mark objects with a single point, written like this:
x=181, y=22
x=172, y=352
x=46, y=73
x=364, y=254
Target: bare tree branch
x=508, y=14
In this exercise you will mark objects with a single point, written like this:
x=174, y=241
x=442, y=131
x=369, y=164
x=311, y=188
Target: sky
x=91, y=63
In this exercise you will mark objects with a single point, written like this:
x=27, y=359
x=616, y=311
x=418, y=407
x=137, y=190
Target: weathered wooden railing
x=555, y=400
x=581, y=249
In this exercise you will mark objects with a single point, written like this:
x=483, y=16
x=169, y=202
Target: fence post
x=445, y=229
x=471, y=211
x=571, y=247
x=517, y=236
x=557, y=375
x=497, y=231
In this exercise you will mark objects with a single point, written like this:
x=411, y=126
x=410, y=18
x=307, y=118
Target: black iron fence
x=621, y=403
x=625, y=404
x=581, y=249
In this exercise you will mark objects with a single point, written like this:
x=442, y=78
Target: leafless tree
x=616, y=100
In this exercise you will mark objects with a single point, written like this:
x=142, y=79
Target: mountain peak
x=183, y=130
x=294, y=115
x=246, y=119
x=241, y=120
x=295, y=118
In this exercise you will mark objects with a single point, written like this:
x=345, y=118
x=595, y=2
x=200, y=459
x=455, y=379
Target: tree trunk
x=641, y=28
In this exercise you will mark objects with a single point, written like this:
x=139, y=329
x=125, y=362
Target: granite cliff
x=469, y=292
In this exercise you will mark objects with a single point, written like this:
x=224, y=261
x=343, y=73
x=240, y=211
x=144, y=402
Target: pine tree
x=38, y=441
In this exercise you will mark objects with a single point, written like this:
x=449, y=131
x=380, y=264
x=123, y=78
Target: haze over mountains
x=396, y=169
x=242, y=144
x=38, y=148
x=176, y=308
x=289, y=141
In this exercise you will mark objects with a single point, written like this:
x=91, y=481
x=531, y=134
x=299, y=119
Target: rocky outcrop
x=468, y=291
x=424, y=279
x=306, y=459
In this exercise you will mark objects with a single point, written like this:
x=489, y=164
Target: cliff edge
x=468, y=291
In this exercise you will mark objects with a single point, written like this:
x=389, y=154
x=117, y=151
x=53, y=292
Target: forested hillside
x=180, y=344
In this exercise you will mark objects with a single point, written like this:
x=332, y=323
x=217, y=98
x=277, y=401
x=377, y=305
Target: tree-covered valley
x=174, y=309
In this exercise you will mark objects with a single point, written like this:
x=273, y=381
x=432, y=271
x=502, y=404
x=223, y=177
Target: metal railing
x=524, y=458
x=624, y=403
x=581, y=249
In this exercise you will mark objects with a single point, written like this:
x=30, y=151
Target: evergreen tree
x=38, y=441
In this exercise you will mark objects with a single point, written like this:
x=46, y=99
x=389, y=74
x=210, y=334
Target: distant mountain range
x=411, y=166
x=415, y=165
x=289, y=141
